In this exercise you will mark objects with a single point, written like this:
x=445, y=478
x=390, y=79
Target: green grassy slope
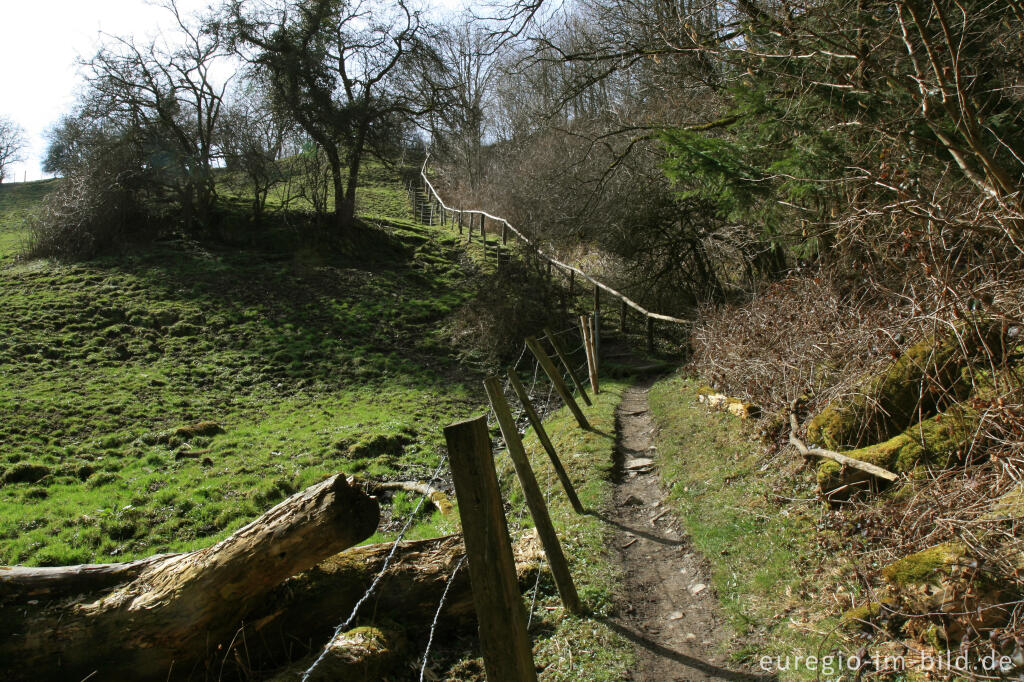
x=307, y=361
x=16, y=200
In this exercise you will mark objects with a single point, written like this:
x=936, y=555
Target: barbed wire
x=437, y=615
x=376, y=580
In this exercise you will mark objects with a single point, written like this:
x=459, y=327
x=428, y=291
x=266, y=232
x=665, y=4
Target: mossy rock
x=928, y=566
x=939, y=441
x=943, y=584
x=889, y=402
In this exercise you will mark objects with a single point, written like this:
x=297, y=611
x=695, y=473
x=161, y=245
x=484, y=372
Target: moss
x=887, y=403
x=860, y=618
x=25, y=472
x=928, y=566
x=939, y=441
x=1009, y=506
x=206, y=428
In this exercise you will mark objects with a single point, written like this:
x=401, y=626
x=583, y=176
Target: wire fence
x=543, y=397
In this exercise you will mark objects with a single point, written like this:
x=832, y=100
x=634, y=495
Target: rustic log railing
x=571, y=271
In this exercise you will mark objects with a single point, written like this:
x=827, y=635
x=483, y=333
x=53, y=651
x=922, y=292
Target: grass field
x=157, y=400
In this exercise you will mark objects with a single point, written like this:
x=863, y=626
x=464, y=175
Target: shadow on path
x=640, y=532
x=709, y=669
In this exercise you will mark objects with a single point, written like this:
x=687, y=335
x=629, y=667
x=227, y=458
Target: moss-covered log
x=940, y=441
x=930, y=374
x=174, y=613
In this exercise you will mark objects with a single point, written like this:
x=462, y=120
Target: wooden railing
x=650, y=316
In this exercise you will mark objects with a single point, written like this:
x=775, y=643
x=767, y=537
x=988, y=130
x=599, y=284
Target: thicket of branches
x=820, y=184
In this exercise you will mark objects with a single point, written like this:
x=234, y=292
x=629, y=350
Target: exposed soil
x=667, y=607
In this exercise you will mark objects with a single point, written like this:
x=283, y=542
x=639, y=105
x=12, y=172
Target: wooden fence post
x=650, y=334
x=588, y=343
x=504, y=233
x=556, y=344
x=534, y=497
x=556, y=381
x=622, y=316
x=469, y=233
x=508, y=655
x=596, y=330
x=542, y=436
x=460, y=222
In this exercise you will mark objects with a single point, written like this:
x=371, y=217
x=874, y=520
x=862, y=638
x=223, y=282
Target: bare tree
x=341, y=71
x=12, y=143
x=252, y=136
x=167, y=94
x=463, y=83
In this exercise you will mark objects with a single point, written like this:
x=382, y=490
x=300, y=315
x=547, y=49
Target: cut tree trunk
x=170, y=615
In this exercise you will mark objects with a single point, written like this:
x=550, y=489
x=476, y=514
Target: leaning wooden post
x=622, y=316
x=588, y=344
x=650, y=334
x=534, y=497
x=542, y=436
x=553, y=340
x=556, y=380
x=508, y=655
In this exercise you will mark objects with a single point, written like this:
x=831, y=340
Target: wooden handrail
x=551, y=259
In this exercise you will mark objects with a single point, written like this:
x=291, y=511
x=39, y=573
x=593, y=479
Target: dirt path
x=667, y=607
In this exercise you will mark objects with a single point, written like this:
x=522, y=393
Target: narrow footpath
x=667, y=606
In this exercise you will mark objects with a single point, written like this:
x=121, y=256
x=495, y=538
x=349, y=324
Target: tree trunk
x=347, y=209
x=169, y=615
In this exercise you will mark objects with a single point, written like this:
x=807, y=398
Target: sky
x=40, y=41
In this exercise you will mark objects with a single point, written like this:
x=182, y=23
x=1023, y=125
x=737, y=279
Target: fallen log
x=842, y=459
x=169, y=615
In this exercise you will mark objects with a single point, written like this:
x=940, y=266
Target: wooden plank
x=556, y=380
x=542, y=436
x=560, y=352
x=508, y=655
x=534, y=497
x=588, y=344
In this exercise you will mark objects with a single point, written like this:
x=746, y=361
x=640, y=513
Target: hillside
x=156, y=399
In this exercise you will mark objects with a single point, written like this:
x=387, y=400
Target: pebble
x=697, y=589
x=675, y=615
